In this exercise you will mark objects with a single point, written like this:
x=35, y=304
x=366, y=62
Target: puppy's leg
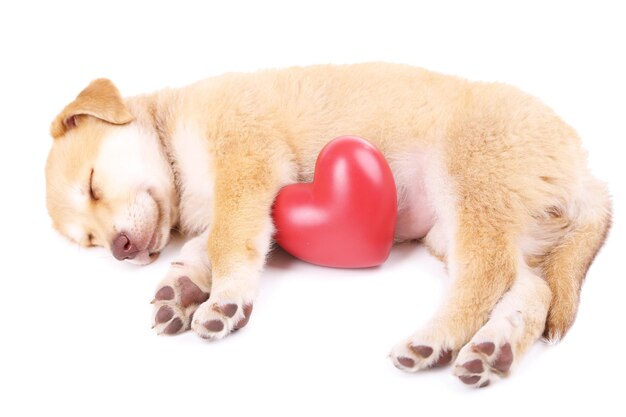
x=483, y=262
x=186, y=285
x=567, y=263
x=516, y=322
x=238, y=242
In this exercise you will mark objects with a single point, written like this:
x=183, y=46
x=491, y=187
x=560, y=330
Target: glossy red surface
x=346, y=217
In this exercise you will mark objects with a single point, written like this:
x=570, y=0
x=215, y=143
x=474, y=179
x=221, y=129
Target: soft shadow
x=402, y=251
x=172, y=249
x=279, y=259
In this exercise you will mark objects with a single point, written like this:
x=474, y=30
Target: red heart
x=346, y=217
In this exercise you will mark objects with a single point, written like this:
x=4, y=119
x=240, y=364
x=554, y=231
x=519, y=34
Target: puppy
x=489, y=178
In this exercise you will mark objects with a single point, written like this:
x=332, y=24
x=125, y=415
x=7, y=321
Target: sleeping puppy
x=489, y=178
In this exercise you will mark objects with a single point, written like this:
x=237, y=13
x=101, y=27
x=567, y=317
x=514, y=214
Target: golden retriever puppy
x=489, y=178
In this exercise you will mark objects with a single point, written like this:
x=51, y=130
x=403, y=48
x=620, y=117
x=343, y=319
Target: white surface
x=76, y=337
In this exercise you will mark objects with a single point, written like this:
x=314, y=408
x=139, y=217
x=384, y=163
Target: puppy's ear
x=101, y=99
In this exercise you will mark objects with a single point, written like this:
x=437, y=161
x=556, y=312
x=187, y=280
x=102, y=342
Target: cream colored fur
x=490, y=178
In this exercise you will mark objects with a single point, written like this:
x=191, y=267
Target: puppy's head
x=108, y=181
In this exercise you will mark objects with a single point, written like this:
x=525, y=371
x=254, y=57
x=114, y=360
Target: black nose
x=123, y=248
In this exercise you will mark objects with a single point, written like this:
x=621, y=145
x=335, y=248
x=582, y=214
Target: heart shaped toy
x=346, y=217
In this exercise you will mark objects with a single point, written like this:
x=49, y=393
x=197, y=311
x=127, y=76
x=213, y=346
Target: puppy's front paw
x=177, y=298
x=215, y=319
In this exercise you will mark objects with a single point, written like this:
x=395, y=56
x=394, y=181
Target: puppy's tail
x=567, y=263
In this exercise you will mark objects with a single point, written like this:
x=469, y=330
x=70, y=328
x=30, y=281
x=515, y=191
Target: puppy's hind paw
x=419, y=352
x=480, y=364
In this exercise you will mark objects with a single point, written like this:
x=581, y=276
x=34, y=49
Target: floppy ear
x=101, y=99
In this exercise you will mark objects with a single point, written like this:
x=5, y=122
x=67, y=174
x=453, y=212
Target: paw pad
x=469, y=379
x=165, y=293
x=174, y=326
x=444, y=358
x=422, y=351
x=227, y=310
x=406, y=362
x=190, y=293
x=213, y=325
x=164, y=314
x=505, y=359
x=475, y=366
x=247, y=311
x=486, y=347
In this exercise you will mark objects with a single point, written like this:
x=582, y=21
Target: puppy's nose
x=123, y=248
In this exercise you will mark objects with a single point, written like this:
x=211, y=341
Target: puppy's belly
x=415, y=211
x=415, y=214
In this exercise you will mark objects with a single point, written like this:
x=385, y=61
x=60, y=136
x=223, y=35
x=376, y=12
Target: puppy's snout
x=123, y=248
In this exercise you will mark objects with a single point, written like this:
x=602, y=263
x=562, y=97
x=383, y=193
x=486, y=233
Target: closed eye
x=92, y=193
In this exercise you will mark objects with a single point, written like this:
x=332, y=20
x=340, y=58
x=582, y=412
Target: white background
x=76, y=337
